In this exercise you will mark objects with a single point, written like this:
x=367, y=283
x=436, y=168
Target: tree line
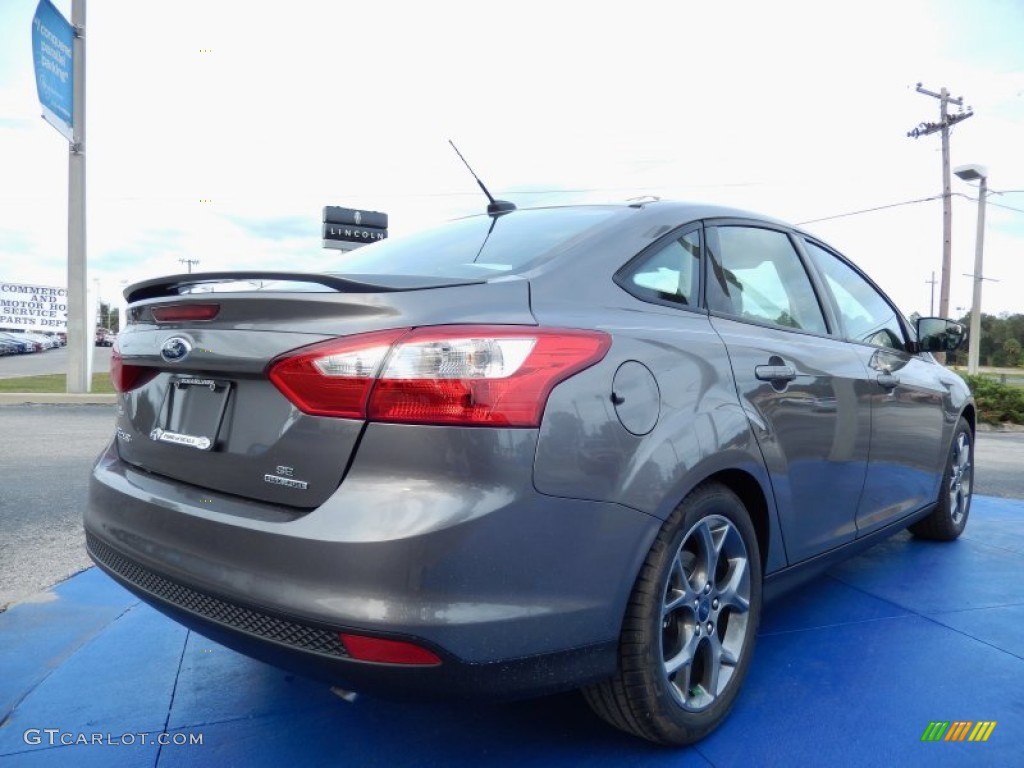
x=1002, y=341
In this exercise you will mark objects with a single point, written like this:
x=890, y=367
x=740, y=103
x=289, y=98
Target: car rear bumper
x=518, y=593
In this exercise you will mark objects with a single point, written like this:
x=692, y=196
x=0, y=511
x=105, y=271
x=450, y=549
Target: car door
x=803, y=389
x=905, y=462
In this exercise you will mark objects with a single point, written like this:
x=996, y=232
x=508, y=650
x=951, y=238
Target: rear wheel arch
x=752, y=495
x=750, y=491
x=970, y=415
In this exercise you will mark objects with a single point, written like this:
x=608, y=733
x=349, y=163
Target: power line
x=989, y=202
x=996, y=191
x=871, y=210
x=1006, y=207
x=905, y=202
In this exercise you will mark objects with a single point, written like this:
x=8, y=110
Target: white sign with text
x=33, y=307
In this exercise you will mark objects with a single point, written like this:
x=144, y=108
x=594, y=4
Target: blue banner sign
x=52, y=55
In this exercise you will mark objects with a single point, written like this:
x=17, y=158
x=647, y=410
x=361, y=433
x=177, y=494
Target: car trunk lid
x=208, y=414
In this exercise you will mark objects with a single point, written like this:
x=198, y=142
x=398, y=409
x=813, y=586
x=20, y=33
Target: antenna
x=494, y=207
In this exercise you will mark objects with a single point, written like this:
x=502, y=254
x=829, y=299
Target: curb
x=55, y=398
x=1004, y=427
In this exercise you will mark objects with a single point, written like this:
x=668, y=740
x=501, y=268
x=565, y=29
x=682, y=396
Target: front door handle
x=887, y=380
x=775, y=373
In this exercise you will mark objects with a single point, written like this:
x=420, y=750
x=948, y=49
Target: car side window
x=866, y=315
x=757, y=274
x=669, y=273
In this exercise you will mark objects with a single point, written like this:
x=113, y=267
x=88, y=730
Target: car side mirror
x=937, y=334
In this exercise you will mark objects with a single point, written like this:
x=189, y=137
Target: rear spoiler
x=171, y=285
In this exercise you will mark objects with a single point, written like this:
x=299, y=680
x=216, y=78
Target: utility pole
x=931, y=307
x=946, y=120
x=189, y=262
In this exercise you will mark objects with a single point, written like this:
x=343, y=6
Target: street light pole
x=976, y=173
x=979, y=247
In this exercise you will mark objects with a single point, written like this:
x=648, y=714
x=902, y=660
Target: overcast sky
x=794, y=109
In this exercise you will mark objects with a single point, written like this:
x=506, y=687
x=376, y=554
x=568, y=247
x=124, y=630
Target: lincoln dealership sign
x=33, y=307
x=348, y=228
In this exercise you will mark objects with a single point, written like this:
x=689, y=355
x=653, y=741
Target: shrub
x=997, y=403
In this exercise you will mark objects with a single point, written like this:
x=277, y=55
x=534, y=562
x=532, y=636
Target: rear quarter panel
x=584, y=450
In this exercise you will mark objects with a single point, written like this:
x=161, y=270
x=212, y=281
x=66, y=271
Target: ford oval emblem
x=175, y=349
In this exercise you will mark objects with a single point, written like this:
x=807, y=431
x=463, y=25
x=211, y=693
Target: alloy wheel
x=705, y=612
x=960, y=479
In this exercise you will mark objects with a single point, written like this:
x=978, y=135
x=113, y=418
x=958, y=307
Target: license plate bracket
x=192, y=413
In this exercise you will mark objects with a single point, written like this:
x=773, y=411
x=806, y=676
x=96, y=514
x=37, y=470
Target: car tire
x=949, y=518
x=668, y=662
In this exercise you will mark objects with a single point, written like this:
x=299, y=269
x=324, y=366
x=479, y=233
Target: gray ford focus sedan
x=525, y=452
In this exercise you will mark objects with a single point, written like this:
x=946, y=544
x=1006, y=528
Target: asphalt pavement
x=999, y=464
x=45, y=455
x=49, y=361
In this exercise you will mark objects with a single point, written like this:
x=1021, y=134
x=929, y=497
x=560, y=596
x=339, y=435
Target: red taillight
x=176, y=312
x=465, y=375
x=387, y=651
x=128, y=377
x=480, y=376
x=334, y=378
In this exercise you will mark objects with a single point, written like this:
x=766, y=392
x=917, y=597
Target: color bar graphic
x=958, y=730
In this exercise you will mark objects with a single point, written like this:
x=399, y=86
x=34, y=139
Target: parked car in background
x=8, y=347
x=23, y=343
x=105, y=337
x=45, y=342
x=527, y=451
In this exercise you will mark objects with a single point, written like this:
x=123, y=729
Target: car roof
x=668, y=212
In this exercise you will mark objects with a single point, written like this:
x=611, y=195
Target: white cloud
x=796, y=109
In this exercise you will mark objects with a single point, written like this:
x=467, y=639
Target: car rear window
x=479, y=246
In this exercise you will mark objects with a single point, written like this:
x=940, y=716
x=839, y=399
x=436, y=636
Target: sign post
x=58, y=53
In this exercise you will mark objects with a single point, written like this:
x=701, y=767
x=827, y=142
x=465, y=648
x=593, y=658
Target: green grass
x=54, y=382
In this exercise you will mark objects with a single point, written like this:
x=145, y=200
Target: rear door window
x=756, y=274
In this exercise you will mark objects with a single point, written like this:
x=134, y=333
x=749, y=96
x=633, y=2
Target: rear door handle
x=887, y=380
x=775, y=372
